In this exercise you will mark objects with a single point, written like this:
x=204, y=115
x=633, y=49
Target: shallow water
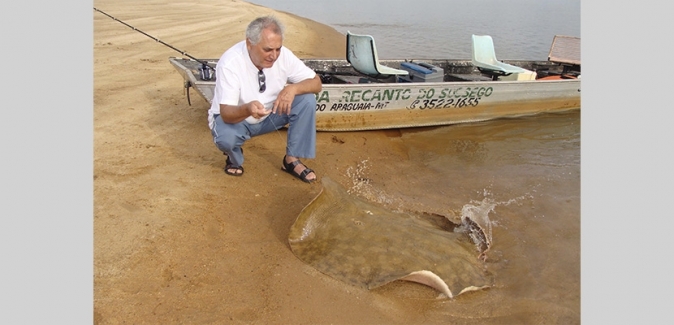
x=522, y=174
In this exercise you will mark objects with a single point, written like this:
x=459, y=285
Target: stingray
x=368, y=246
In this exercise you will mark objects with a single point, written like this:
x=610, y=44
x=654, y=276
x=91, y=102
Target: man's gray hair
x=254, y=30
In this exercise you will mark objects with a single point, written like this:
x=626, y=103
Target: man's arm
x=235, y=114
x=307, y=86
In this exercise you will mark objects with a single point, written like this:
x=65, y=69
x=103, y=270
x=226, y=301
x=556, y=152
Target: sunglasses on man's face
x=261, y=80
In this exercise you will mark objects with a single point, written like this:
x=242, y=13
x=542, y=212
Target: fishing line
x=277, y=129
x=207, y=72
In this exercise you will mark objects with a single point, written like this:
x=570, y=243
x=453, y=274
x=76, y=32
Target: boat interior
x=363, y=65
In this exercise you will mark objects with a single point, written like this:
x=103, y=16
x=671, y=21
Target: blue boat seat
x=361, y=53
x=484, y=58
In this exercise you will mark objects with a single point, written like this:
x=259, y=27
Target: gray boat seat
x=361, y=53
x=484, y=58
x=565, y=51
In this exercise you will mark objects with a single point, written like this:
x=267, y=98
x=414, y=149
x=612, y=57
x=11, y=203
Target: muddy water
x=523, y=176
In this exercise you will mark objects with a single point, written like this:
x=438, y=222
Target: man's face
x=264, y=53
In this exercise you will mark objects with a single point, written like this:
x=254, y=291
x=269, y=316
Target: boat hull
x=361, y=107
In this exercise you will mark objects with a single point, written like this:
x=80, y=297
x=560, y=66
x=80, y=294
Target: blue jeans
x=301, y=122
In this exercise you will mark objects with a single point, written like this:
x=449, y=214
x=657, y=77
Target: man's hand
x=235, y=114
x=284, y=101
x=257, y=110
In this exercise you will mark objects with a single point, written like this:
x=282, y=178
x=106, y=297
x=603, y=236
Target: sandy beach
x=176, y=241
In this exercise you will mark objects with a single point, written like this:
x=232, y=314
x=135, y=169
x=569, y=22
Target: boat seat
x=361, y=53
x=484, y=58
x=565, y=50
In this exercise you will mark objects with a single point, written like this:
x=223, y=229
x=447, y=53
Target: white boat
x=365, y=93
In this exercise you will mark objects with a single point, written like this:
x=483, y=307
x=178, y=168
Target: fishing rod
x=205, y=70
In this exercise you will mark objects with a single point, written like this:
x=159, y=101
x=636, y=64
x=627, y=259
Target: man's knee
x=305, y=101
x=222, y=144
x=225, y=141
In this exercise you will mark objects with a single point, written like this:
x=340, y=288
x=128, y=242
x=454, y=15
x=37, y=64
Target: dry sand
x=176, y=241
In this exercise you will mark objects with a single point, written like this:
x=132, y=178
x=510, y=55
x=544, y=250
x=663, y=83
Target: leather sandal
x=290, y=169
x=229, y=165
